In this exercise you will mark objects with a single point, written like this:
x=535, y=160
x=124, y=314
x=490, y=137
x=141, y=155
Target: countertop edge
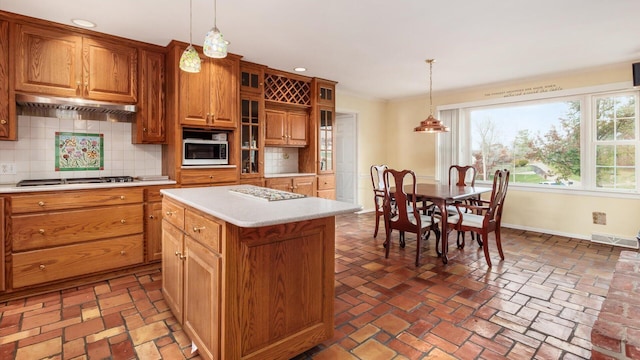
x=12, y=189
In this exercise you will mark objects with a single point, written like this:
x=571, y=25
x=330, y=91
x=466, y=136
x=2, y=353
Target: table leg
x=442, y=205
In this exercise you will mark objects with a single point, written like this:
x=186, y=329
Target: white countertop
x=246, y=211
x=13, y=189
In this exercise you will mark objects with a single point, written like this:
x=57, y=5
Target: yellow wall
x=386, y=135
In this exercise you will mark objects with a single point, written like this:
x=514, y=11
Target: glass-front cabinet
x=326, y=136
x=250, y=139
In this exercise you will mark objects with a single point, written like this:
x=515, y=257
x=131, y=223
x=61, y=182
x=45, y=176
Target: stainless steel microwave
x=205, y=152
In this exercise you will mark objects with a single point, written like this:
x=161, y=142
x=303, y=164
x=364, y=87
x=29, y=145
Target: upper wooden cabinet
x=210, y=98
x=7, y=105
x=56, y=62
x=286, y=127
x=251, y=78
x=150, y=123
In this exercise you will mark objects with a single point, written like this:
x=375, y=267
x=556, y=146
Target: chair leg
x=375, y=232
x=461, y=243
x=485, y=236
x=387, y=244
x=478, y=239
x=436, y=230
x=418, y=246
x=402, y=242
x=499, y=243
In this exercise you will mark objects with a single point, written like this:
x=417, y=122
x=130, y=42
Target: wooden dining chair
x=403, y=218
x=462, y=176
x=484, y=216
x=377, y=181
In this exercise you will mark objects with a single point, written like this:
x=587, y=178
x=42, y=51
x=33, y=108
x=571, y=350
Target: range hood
x=73, y=108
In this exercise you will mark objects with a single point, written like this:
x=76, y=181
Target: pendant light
x=431, y=124
x=214, y=44
x=190, y=60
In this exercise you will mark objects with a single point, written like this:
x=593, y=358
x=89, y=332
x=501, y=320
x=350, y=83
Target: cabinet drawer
x=75, y=199
x=42, y=266
x=209, y=176
x=205, y=230
x=173, y=213
x=153, y=193
x=33, y=231
x=326, y=182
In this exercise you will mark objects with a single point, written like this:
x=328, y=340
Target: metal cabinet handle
x=122, y=252
x=151, y=217
x=40, y=203
x=121, y=197
x=198, y=228
x=170, y=213
x=123, y=221
x=3, y=122
x=41, y=231
x=42, y=266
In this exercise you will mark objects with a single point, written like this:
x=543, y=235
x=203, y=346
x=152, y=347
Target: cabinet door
x=283, y=184
x=202, y=298
x=251, y=153
x=194, y=102
x=2, y=240
x=172, y=268
x=297, y=133
x=251, y=78
x=304, y=185
x=153, y=230
x=48, y=61
x=7, y=122
x=150, y=123
x=224, y=92
x=111, y=71
x=275, y=127
x=325, y=142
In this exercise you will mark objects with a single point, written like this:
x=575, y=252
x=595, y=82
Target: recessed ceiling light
x=300, y=69
x=83, y=23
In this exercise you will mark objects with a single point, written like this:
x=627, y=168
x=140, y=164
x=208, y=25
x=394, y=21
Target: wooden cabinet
x=251, y=78
x=267, y=294
x=251, y=129
x=209, y=176
x=153, y=223
x=305, y=185
x=7, y=104
x=4, y=241
x=57, y=62
x=209, y=98
x=192, y=263
x=63, y=235
x=150, y=119
x=286, y=127
x=327, y=186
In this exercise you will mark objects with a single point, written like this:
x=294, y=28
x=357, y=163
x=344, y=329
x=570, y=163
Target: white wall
x=34, y=152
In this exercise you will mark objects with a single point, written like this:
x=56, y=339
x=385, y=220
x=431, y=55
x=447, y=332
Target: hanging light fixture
x=431, y=124
x=214, y=44
x=190, y=60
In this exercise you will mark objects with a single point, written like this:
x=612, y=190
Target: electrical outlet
x=8, y=169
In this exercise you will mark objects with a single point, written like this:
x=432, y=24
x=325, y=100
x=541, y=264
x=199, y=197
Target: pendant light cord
x=430, y=61
x=215, y=14
x=190, y=22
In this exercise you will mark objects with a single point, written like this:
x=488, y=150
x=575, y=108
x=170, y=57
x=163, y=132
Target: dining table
x=442, y=195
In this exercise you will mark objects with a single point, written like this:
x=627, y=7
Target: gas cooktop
x=87, y=180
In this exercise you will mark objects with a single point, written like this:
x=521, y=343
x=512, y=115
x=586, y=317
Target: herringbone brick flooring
x=539, y=303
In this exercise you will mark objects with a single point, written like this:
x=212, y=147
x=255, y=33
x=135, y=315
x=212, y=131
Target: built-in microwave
x=205, y=152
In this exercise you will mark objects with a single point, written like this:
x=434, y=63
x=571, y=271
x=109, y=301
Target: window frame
x=455, y=142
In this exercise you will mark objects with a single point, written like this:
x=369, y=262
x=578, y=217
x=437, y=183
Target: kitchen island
x=249, y=271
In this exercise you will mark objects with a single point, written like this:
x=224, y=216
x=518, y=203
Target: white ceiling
x=377, y=48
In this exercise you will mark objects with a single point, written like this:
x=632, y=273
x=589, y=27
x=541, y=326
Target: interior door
x=346, y=158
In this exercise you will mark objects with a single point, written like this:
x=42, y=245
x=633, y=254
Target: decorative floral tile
x=79, y=151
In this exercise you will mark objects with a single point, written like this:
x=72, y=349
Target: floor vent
x=615, y=240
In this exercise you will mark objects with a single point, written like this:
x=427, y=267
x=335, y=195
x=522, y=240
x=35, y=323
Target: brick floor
x=539, y=303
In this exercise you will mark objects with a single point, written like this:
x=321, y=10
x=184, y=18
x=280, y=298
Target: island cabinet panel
x=55, y=228
x=267, y=294
x=46, y=265
x=172, y=268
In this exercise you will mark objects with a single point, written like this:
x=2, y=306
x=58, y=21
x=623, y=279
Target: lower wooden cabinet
x=204, y=177
x=191, y=280
x=327, y=186
x=305, y=185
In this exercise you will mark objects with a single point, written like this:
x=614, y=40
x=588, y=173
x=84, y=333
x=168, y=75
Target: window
x=587, y=141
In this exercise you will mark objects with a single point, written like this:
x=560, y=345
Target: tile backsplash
x=280, y=160
x=34, y=152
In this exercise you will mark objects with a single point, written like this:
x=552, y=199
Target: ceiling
x=377, y=49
